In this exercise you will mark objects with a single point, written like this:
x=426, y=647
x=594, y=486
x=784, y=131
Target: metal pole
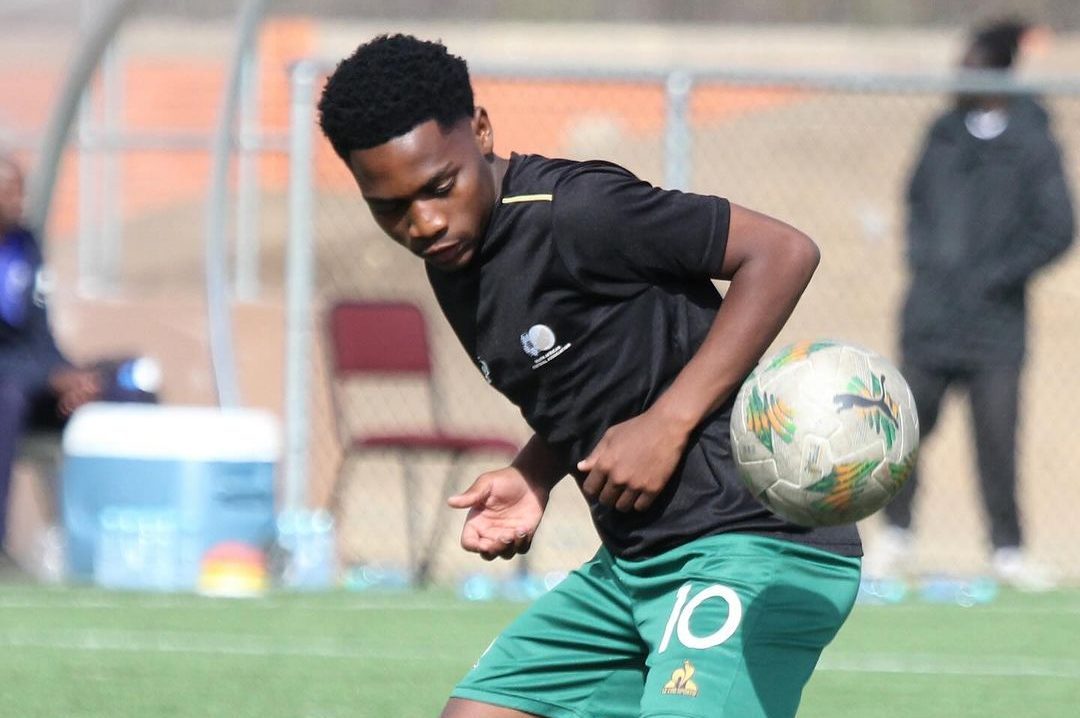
x=678, y=165
x=81, y=69
x=247, y=181
x=218, y=305
x=299, y=282
x=112, y=104
x=89, y=233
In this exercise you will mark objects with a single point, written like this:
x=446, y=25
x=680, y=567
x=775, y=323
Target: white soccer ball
x=824, y=433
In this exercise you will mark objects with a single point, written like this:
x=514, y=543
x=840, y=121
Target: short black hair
x=999, y=41
x=389, y=86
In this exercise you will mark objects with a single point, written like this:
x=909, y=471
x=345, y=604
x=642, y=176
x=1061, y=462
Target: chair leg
x=426, y=560
x=412, y=518
x=334, y=505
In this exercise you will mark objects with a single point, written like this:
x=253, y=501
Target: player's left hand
x=633, y=462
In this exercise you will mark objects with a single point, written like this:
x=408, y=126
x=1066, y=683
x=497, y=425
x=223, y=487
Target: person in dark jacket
x=39, y=387
x=988, y=207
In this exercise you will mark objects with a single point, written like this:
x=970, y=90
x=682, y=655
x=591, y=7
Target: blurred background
x=198, y=217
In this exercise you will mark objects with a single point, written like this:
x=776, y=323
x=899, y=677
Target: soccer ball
x=824, y=433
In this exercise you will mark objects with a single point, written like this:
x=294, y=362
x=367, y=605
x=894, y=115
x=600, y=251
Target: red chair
x=374, y=339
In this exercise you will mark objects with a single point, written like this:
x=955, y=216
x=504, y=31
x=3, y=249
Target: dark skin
x=433, y=189
x=73, y=387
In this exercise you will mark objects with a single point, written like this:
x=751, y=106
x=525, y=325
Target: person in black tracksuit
x=988, y=207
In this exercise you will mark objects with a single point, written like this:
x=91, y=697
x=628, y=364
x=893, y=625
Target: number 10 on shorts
x=679, y=620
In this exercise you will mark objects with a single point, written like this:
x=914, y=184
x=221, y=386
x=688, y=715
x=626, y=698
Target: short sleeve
x=612, y=228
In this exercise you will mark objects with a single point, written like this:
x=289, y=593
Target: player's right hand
x=504, y=511
x=74, y=387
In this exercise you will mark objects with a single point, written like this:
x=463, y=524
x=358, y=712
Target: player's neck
x=498, y=166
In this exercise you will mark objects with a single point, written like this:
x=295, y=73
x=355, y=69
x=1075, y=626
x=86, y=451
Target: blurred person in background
x=39, y=387
x=988, y=206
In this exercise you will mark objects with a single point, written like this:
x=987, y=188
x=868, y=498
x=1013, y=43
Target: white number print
x=679, y=620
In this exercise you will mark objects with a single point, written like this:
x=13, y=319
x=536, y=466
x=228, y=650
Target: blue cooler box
x=199, y=476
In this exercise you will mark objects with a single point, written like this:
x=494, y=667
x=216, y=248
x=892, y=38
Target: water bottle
x=307, y=548
x=942, y=588
x=523, y=587
x=141, y=374
x=377, y=577
x=882, y=591
x=478, y=587
x=50, y=554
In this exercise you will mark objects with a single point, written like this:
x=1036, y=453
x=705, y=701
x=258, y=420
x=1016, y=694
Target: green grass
x=85, y=652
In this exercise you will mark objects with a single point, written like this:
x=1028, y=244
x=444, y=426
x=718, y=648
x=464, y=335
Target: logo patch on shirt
x=540, y=343
x=484, y=369
x=682, y=681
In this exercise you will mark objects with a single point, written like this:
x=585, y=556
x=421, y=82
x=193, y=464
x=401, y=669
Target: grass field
x=84, y=652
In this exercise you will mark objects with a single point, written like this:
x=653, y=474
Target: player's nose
x=426, y=223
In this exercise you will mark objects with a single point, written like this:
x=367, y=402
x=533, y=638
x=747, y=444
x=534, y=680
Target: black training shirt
x=589, y=292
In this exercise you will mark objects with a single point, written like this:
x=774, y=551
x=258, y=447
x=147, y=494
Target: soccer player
x=585, y=295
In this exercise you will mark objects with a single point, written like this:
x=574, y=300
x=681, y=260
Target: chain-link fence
x=829, y=154
x=126, y=235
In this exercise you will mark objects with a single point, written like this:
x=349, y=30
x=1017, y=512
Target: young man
x=39, y=387
x=988, y=207
x=586, y=297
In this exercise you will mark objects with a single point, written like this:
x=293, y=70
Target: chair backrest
x=379, y=337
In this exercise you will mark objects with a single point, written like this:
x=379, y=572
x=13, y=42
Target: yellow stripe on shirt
x=526, y=198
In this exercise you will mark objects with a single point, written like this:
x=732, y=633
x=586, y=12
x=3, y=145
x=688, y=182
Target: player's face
x=432, y=190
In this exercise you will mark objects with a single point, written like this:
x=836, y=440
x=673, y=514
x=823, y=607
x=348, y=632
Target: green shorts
x=728, y=626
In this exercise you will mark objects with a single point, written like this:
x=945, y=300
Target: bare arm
x=539, y=464
x=769, y=264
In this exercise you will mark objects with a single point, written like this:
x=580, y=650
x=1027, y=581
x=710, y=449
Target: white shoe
x=889, y=556
x=1013, y=568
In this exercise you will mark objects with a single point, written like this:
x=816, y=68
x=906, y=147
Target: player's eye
x=443, y=188
x=385, y=208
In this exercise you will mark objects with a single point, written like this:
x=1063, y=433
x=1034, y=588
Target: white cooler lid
x=192, y=433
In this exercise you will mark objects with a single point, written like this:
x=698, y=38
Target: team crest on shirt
x=682, y=682
x=540, y=344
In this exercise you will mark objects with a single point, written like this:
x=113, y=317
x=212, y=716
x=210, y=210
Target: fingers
x=627, y=500
x=644, y=501
x=601, y=487
x=611, y=493
x=594, y=483
x=475, y=495
x=505, y=544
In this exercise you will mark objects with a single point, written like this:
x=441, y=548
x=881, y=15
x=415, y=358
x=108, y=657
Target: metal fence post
x=678, y=165
x=299, y=281
x=112, y=227
x=247, y=180
x=218, y=304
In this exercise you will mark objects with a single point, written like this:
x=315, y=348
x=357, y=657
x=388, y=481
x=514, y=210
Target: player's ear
x=483, y=132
